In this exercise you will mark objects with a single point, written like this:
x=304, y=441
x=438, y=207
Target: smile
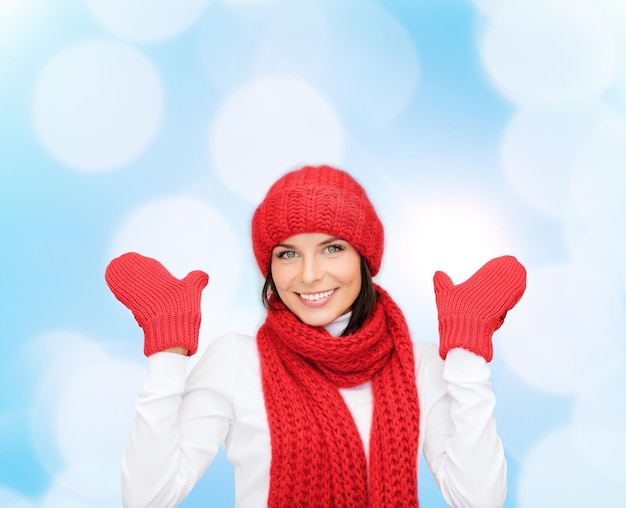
x=312, y=297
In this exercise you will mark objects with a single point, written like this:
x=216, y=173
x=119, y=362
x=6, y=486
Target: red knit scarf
x=317, y=454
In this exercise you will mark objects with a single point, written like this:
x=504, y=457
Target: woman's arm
x=461, y=444
x=179, y=427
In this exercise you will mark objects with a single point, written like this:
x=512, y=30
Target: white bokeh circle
x=294, y=29
x=552, y=342
x=542, y=147
x=600, y=251
x=601, y=410
x=59, y=354
x=549, y=50
x=95, y=411
x=80, y=417
x=97, y=104
x=289, y=31
x=92, y=484
x=147, y=20
x=371, y=78
x=556, y=473
x=599, y=176
x=269, y=126
x=185, y=234
x=615, y=11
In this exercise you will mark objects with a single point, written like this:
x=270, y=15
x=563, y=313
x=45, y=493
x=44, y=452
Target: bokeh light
x=269, y=127
x=145, y=20
x=549, y=50
x=97, y=105
x=185, y=234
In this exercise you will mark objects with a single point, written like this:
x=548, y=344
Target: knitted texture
x=317, y=454
x=471, y=312
x=166, y=308
x=317, y=199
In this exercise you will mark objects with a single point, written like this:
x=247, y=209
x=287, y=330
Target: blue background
x=478, y=128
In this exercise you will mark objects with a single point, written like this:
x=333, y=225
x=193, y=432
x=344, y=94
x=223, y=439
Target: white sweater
x=182, y=421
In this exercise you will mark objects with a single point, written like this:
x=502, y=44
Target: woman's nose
x=311, y=270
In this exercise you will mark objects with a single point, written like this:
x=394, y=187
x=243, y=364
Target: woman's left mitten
x=470, y=312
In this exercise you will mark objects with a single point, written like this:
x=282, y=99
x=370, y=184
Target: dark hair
x=361, y=308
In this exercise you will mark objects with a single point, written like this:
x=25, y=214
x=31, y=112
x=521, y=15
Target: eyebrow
x=325, y=242
x=331, y=240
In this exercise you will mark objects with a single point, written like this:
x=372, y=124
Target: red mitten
x=167, y=308
x=470, y=312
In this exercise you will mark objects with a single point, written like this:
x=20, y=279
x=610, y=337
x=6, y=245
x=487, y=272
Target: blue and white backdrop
x=478, y=127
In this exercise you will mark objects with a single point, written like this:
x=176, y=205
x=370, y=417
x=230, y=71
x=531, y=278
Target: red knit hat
x=317, y=199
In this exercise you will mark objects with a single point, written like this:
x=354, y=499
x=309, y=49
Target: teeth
x=311, y=297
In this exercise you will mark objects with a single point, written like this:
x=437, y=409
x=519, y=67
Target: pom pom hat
x=317, y=199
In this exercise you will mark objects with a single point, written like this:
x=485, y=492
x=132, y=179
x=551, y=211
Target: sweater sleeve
x=461, y=444
x=178, y=429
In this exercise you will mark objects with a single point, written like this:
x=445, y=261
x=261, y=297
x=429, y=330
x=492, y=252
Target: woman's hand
x=166, y=308
x=470, y=312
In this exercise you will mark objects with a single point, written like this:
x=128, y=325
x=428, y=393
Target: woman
x=331, y=404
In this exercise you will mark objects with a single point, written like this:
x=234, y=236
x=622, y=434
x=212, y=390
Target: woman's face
x=317, y=276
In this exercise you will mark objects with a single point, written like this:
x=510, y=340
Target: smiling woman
x=332, y=403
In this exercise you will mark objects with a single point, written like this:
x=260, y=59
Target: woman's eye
x=287, y=254
x=333, y=249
